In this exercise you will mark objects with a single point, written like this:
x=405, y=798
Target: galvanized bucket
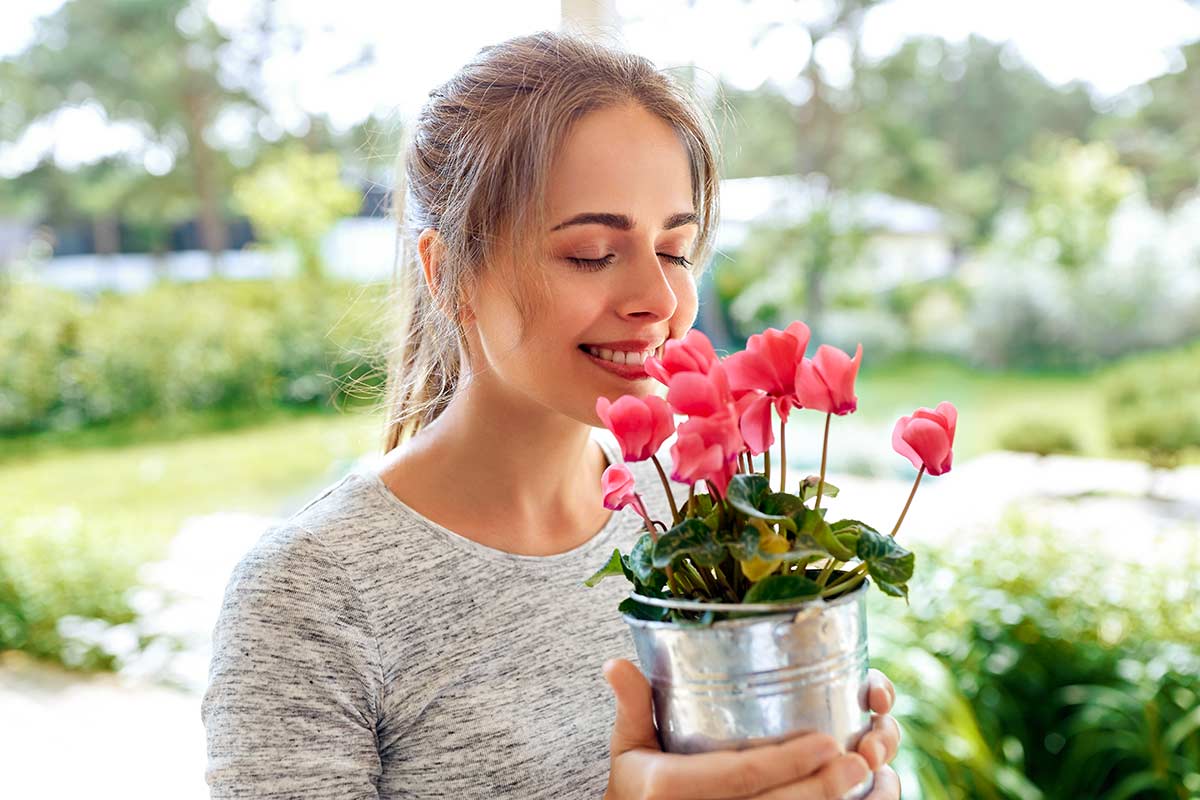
x=757, y=680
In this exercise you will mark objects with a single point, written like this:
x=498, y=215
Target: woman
x=420, y=628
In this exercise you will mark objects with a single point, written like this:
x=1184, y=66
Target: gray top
x=364, y=651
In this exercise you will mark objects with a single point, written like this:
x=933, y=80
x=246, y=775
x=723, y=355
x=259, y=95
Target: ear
x=432, y=251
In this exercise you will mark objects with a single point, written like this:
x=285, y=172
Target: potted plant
x=747, y=609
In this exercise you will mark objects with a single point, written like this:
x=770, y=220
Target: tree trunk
x=106, y=234
x=213, y=232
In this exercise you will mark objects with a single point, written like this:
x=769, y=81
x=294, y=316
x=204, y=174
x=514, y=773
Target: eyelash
x=597, y=264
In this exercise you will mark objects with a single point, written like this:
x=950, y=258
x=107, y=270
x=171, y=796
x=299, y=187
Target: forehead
x=624, y=160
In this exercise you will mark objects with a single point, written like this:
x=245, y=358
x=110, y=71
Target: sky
x=1109, y=45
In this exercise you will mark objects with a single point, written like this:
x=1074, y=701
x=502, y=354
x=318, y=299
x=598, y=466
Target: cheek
x=687, y=303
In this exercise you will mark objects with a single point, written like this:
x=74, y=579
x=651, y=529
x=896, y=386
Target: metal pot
x=739, y=683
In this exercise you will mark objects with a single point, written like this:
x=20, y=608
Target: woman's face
x=620, y=221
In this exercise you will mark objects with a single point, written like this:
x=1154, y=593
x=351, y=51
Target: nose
x=648, y=291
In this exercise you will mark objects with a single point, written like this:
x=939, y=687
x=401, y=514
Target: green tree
x=1074, y=189
x=151, y=63
x=943, y=123
x=1161, y=139
x=294, y=197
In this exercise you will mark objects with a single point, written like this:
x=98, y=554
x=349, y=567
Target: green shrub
x=35, y=326
x=61, y=566
x=1153, y=405
x=1011, y=655
x=1042, y=437
x=223, y=345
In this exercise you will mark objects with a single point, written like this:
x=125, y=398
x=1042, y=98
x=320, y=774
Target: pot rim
x=768, y=610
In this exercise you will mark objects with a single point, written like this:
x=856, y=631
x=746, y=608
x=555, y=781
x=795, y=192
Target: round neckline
x=492, y=554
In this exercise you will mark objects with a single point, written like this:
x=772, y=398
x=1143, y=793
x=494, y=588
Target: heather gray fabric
x=365, y=651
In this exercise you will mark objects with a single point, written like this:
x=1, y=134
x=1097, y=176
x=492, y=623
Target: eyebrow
x=623, y=223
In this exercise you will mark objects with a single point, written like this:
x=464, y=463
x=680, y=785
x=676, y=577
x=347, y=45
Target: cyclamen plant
x=742, y=541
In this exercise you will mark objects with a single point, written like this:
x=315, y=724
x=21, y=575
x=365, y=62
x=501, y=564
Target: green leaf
x=689, y=538
x=615, y=566
x=701, y=505
x=745, y=547
x=847, y=532
x=782, y=504
x=812, y=524
x=889, y=564
x=776, y=588
x=642, y=611
x=641, y=564
x=750, y=494
x=808, y=488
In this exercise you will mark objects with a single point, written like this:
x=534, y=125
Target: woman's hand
x=806, y=767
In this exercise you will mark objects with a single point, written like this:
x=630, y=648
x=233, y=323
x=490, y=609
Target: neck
x=520, y=460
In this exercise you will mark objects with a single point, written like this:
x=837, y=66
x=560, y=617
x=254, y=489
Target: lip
x=628, y=344
x=632, y=372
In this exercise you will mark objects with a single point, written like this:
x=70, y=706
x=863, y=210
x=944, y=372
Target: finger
x=727, y=774
x=887, y=785
x=881, y=694
x=833, y=781
x=634, y=725
x=879, y=745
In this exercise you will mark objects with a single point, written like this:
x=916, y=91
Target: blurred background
x=1001, y=201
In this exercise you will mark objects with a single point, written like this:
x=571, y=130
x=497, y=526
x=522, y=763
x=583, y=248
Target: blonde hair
x=475, y=169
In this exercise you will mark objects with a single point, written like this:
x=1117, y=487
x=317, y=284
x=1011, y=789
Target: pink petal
x=749, y=370
x=755, y=425
x=811, y=391
x=947, y=410
x=930, y=442
x=902, y=447
x=839, y=372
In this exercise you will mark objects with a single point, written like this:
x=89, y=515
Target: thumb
x=634, y=726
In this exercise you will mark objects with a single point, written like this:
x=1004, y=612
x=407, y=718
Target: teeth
x=620, y=356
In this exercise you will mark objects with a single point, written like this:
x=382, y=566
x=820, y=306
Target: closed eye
x=594, y=264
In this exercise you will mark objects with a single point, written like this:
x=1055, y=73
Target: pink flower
x=826, y=381
x=641, y=424
x=698, y=394
x=693, y=353
x=707, y=448
x=927, y=437
x=617, y=483
x=754, y=421
x=769, y=364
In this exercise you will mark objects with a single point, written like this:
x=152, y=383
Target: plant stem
x=749, y=462
x=767, y=465
x=824, y=453
x=687, y=507
x=782, y=455
x=667, y=488
x=854, y=577
x=852, y=580
x=703, y=579
x=823, y=578
x=861, y=569
x=641, y=508
x=916, y=483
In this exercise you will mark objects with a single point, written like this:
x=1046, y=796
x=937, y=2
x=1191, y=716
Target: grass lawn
x=79, y=519
x=989, y=403
x=150, y=487
x=145, y=478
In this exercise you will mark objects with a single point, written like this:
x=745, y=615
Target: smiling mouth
x=631, y=371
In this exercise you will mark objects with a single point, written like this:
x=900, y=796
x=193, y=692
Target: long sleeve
x=293, y=696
